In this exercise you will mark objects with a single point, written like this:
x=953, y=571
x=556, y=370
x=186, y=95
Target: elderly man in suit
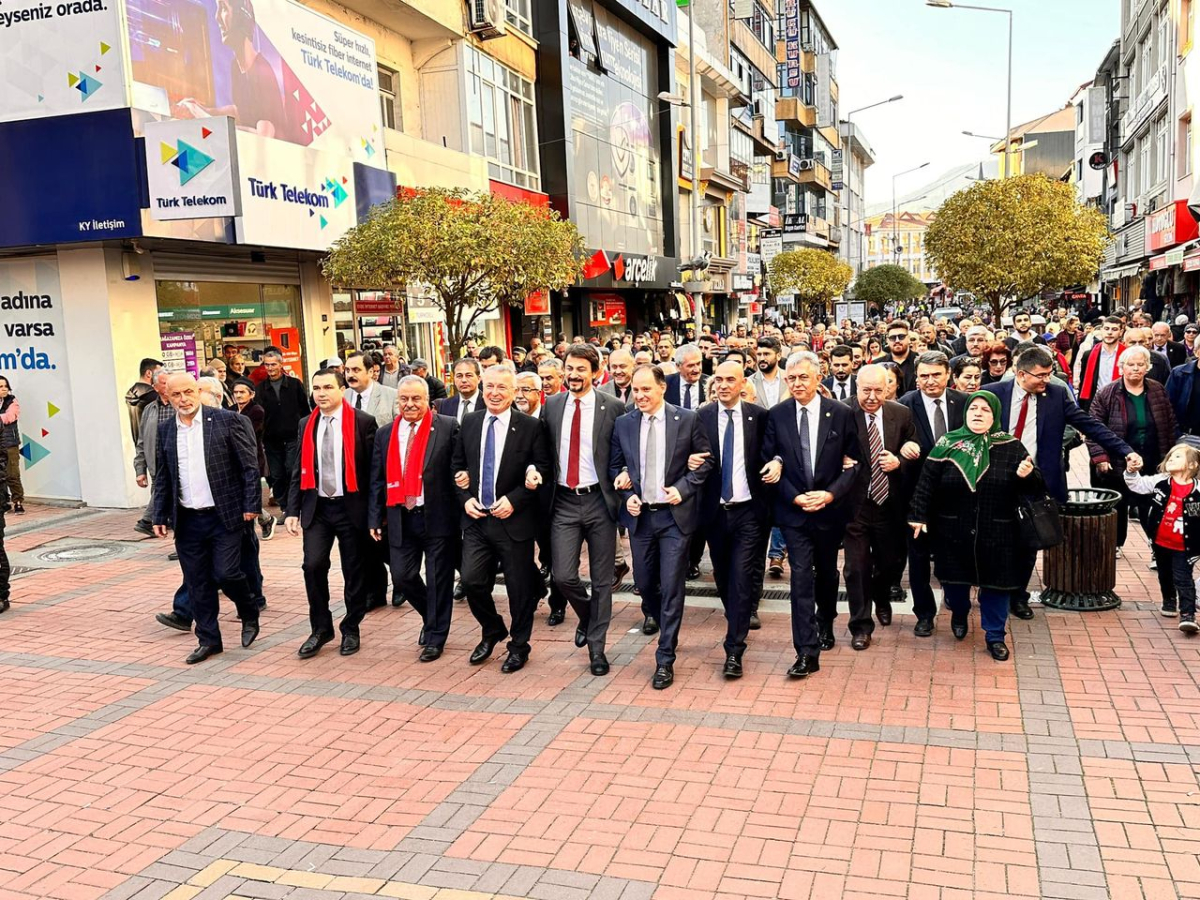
x=206, y=488
x=875, y=536
x=412, y=489
x=649, y=467
x=811, y=436
x=620, y=366
x=686, y=387
x=935, y=410
x=1037, y=413
x=497, y=451
x=1161, y=342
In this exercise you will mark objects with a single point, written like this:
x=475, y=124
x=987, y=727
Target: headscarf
x=969, y=451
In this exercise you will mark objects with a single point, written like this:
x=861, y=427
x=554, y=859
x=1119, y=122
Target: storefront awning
x=1121, y=272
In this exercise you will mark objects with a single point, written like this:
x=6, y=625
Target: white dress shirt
x=839, y=386
x=741, y=483
x=473, y=400
x=770, y=391
x=587, y=458
x=194, y=489
x=931, y=411
x=1029, y=436
x=501, y=429
x=814, y=422
x=336, y=424
x=878, y=414
x=660, y=437
x=694, y=388
x=1104, y=370
x=405, y=433
x=352, y=396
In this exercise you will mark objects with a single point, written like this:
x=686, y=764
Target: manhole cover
x=86, y=553
x=21, y=570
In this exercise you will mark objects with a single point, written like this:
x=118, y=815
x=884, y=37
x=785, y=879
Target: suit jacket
x=608, y=410
x=525, y=445
x=684, y=436
x=757, y=380
x=610, y=388
x=1160, y=369
x=851, y=392
x=449, y=405
x=1055, y=411
x=282, y=412
x=837, y=437
x=303, y=503
x=383, y=404
x=230, y=459
x=1176, y=353
x=754, y=428
x=674, y=394
x=898, y=430
x=442, y=516
x=955, y=403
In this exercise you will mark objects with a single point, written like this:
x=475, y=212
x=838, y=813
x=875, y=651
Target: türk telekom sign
x=1170, y=226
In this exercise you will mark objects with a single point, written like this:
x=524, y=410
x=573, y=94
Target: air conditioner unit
x=486, y=18
x=807, y=164
x=782, y=155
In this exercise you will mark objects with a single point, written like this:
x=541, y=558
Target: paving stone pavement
x=918, y=769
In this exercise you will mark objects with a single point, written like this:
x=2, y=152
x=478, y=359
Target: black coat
x=898, y=430
x=754, y=428
x=442, y=509
x=975, y=535
x=303, y=503
x=282, y=414
x=674, y=395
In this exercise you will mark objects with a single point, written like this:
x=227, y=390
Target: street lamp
x=850, y=115
x=895, y=222
x=985, y=137
x=946, y=4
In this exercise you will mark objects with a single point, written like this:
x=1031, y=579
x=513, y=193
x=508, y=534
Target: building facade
x=856, y=157
x=900, y=241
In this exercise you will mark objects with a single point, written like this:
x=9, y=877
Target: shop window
x=389, y=98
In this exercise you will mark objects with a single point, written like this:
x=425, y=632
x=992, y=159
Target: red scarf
x=405, y=485
x=1093, y=364
x=308, y=452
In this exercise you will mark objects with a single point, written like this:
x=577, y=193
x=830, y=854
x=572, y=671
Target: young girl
x=1173, y=521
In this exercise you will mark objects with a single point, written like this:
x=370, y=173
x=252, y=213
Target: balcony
x=793, y=109
x=786, y=168
x=812, y=172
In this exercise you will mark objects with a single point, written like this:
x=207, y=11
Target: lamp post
x=849, y=116
x=947, y=4
x=895, y=222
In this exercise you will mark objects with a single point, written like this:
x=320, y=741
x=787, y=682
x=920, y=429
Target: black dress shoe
x=397, y=600
x=664, y=677
x=556, y=617
x=755, y=621
x=599, y=664
x=514, y=663
x=544, y=571
x=860, y=641
x=173, y=556
x=650, y=626
x=733, y=667
x=460, y=592
x=173, y=620
x=314, y=643
x=350, y=644
x=1019, y=607
x=249, y=632
x=430, y=653
x=376, y=603
x=999, y=650
x=958, y=625
x=923, y=628
x=804, y=666
x=883, y=614
x=421, y=638
x=620, y=570
x=580, y=636
x=482, y=652
x=896, y=594
x=826, y=638
x=693, y=573
x=201, y=653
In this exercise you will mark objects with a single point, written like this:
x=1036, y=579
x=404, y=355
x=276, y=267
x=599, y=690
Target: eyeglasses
x=897, y=337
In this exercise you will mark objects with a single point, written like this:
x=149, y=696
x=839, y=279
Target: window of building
x=1160, y=150
x=516, y=13
x=1187, y=25
x=1185, y=146
x=1166, y=48
x=1146, y=164
x=389, y=98
x=500, y=116
x=762, y=24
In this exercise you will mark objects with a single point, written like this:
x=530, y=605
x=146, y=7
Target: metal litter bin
x=1081, y=572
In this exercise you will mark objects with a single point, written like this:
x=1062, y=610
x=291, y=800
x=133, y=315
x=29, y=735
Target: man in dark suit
x=686, y=387
x=328, y=499
x=841, y=381
x=620, y=364
x=811, y=436
x=413, y=489
x=1160, y=342
x=437, y=390
x=649, y=467
x=207, y=488
x=875, y=536
x=579, y=427
x=935, y=410
x=497, y=451
x=285, y=403
x=1037, y=413
x=466, y=399
x=735, y=505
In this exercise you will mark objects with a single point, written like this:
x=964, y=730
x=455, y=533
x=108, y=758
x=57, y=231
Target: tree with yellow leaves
x=1010, y=239
x=814, y=276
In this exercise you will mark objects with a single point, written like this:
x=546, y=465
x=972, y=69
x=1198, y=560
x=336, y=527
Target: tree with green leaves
x=1010, y=239
x=814, y=276
x=888, y=284
x=472, y=252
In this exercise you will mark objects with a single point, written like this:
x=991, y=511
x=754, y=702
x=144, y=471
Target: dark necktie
x=879, y=484
x=727, y=452
x=805, y=445
x=939, y=420
x=573, y=448
x=842, y=390
x=358, y=402
x=687, y=396
x=487, y=491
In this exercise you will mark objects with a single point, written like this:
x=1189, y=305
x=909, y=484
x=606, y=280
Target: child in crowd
x=1173, y=521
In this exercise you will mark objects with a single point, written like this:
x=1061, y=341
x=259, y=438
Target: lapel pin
x=677, y=418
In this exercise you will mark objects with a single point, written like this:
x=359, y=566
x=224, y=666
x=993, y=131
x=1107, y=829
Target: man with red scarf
x=328, y=499
x=1098, y=367
x=412, y=486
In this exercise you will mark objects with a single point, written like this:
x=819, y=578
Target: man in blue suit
x=1036, y=413
x=811, y=436
x=659, y=507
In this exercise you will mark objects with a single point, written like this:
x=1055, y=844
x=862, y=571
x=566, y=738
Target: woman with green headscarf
x=967, y=499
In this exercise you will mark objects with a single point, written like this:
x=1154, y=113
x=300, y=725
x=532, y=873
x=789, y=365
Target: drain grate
x=81, y=553
x=21, y=570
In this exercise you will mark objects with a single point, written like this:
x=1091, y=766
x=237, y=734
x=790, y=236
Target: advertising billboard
x=191, y=168
x=278, y=69
x=60, y=59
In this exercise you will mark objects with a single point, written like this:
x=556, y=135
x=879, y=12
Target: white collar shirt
x=353, y=395
x=326, y=422
x=467, y=405
x=878, y=414
x=587, y=452
x=770, y=390
x=689, y=393
x=931, y=408
x=1104, y=371
x=842, y=390
x=814, y=421
x=741, y=481
x=195, y=492
x=1029, y=435
x=501, y=429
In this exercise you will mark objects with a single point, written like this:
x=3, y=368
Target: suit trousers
x=660, y=560
x=376, y=556
x=696, y=549
x=813, y=555
x=282, y=458
x=181, y=605
x=736, y=540
x=920, y=572
x=545, y=548
x=874, y=560
x=211, y=556
x=432, y=597
x=331, y=523
x=486, y=544
x=577, y=519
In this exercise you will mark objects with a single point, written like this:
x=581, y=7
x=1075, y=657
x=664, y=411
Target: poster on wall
x=59, y=59
x=288, y=341
x=180, y=352
x=33, y=357
x=280, y=70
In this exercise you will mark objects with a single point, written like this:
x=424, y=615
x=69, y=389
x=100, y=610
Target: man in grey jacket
x=147, y=441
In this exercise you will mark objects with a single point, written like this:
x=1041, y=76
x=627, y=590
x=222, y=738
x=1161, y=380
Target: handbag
x=1041, y=527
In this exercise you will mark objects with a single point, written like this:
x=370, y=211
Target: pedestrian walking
x=285, y=403
x=10, y=444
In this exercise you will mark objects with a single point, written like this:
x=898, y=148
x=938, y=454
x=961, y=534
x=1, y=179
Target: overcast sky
x=950, y=65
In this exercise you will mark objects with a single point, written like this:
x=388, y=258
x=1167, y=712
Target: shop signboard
x=422, y=309
x=282, y=70
x=791, y=37
x=220, y=311
x=60, y=59
x=379, y=303
x=856, y=312
x=288, y=341
x=1171, y=225
x=795, y=223
x=837, y=170
x=33, y=357
x=191, y=168
x=538, y=304
x=180, y=352
x=770, y=247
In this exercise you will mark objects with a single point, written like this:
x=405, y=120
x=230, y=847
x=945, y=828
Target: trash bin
x=1081, y=572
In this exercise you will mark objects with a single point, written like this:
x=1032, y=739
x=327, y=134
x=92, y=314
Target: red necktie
x=573, y=449
x=1021, y=418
